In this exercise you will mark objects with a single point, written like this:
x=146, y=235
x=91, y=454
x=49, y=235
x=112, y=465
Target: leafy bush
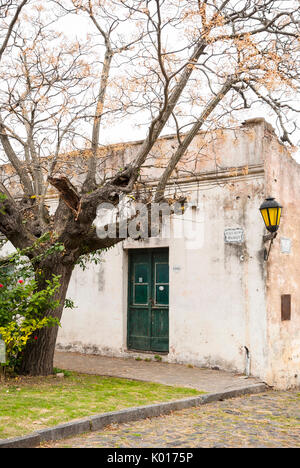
x=23, y=305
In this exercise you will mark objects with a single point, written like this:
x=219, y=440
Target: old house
x=202, y=292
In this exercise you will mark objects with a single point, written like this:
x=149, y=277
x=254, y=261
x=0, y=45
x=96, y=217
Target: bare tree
x=182, y=65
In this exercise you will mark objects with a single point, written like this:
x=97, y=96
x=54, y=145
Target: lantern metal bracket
x=269, y=237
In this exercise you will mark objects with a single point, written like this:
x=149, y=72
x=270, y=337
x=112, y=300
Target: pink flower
x=1, y=286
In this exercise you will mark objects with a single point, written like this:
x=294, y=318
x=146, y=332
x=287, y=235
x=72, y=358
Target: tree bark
x=37, y=358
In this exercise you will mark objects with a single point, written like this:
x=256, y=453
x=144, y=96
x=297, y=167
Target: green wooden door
x=148, y=300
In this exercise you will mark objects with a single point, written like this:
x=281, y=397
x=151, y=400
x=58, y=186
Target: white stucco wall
x=217, y=304
x=283, y=340
x=96, y=324
x=216, y=290
x=223, y=297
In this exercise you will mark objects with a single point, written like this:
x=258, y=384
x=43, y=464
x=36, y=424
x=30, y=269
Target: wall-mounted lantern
x=271, y=213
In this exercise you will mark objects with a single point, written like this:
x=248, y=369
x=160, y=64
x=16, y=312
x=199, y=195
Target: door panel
x=138, y=324
x=148, y=300
x=141, y=281
x=160, y=330
x=161, y=281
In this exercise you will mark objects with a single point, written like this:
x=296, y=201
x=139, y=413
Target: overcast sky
x=75, y=26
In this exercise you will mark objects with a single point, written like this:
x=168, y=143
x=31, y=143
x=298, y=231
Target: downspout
x=248, y=361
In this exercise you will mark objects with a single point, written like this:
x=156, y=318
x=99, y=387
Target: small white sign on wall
x=234, y=236
x=285, y=245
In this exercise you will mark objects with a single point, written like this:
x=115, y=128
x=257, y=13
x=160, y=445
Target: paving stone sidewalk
x=207, y=380
x=266, y=420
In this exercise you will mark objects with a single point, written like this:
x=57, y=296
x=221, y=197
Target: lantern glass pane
x=273, y=216
x=265, y=216
x=279, y=216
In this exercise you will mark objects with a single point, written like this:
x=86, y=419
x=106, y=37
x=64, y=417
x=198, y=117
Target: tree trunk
x=37, y=357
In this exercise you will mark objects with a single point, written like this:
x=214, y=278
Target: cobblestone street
x=270, y=420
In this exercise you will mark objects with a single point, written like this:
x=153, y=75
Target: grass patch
x=28, y=404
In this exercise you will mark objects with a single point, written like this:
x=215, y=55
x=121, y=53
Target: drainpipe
x=248, y=360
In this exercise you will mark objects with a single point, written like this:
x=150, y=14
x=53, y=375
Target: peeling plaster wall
x=217, y=299
x=283, y=339
x=96, y=324
x=223, y=297
x=217, y=290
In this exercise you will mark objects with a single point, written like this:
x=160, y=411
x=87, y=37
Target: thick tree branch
x=67, y=192
x=185, y=143
x=160, y=121
x=90, y=181
x=11, y=27
x=19, y=166
x=11, y=222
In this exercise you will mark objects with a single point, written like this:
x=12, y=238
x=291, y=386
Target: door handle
x=151, y=301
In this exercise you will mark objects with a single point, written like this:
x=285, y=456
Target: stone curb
x=98, y=422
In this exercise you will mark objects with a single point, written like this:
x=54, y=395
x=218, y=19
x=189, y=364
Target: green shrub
x=23, y=305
